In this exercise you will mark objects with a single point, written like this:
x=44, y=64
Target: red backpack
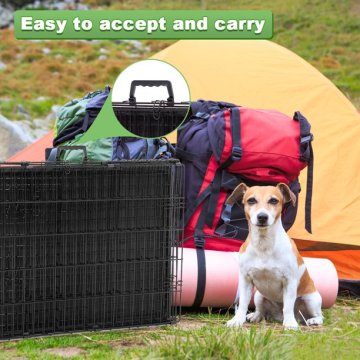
x=223, y=145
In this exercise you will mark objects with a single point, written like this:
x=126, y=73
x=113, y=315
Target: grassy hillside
x=39, y=74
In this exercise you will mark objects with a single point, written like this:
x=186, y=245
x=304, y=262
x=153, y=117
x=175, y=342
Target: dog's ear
x=237, y=194
x=288, y=195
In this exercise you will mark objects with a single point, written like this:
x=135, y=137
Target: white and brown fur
x=270, y=261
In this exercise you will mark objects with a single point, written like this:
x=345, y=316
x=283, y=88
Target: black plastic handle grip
x=151, y=83
x=62, y=148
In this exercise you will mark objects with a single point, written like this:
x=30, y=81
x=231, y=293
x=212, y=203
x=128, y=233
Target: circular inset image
x=150, y=98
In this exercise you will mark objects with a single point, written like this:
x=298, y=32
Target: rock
x=2, y=66
x=130, y=55
x=12, y=138
x=103, y=51
x=134, y=48
x=102, y=57
x=6, y=16
x=55, y=108
x=35, y=128
x=58, y=5
x=42, y=98
x=138, y=45
x=46, y=51
x=82, y=7
x=20, y=110
x=40, y=127
x=50, y=119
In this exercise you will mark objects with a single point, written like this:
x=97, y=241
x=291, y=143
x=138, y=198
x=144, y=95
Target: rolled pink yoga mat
x=222, y=272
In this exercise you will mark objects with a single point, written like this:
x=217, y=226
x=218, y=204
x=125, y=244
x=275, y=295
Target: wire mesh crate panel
x=74, y=215
x=150, y=120
x=176, y=274
x=27, y=218
x=85, y=246
x=56, y=267
x=92, y=313
x=85, y=216
x=65, y=181
x=81, y=249
x=86, y=313
x=138, y=276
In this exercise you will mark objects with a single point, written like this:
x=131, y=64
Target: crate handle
x=151, y=83
x=63, y=148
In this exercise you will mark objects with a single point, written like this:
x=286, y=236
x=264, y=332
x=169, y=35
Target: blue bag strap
x=201, y=281
x=236, y=154
x=200, y=254
x=307, y=155
x=209, y=199
x=226, y=214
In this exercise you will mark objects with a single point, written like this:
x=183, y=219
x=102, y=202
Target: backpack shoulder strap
x=307, y=155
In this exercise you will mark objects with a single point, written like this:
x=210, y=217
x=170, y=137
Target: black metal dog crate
x=89, y=246
x=151, y=119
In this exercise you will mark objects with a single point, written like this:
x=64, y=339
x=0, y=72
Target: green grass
x=205, y=336
x=325, y=33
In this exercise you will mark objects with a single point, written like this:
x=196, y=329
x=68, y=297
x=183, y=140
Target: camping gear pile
x=77, y=116
x=221, y=145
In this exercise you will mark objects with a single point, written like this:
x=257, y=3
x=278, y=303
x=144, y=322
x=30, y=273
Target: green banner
x=143, y=24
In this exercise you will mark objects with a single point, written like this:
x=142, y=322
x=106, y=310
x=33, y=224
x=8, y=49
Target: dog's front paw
x=235, y=322
x=318, y=320
x=291, y=325
x=254, y=317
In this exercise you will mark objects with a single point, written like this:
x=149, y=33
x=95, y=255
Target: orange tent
x=262, y=74
x=34, y=152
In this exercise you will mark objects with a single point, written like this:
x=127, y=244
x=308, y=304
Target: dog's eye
x=251, y=201
x=273, y=201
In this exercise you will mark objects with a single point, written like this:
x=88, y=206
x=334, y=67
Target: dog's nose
x=262, y=218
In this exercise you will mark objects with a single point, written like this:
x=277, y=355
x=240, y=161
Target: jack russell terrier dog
x=270, y=261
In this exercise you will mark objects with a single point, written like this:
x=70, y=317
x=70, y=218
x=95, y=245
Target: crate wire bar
x=89, y=245
x=150, y=119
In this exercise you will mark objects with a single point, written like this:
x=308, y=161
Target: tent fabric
x=262, y=74
x=34, y=152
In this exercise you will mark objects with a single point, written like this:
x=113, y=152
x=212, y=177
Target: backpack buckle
x=226, y=214
x=202, y=115
x=199, y=241
x=236, y=153
x=307, y=139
